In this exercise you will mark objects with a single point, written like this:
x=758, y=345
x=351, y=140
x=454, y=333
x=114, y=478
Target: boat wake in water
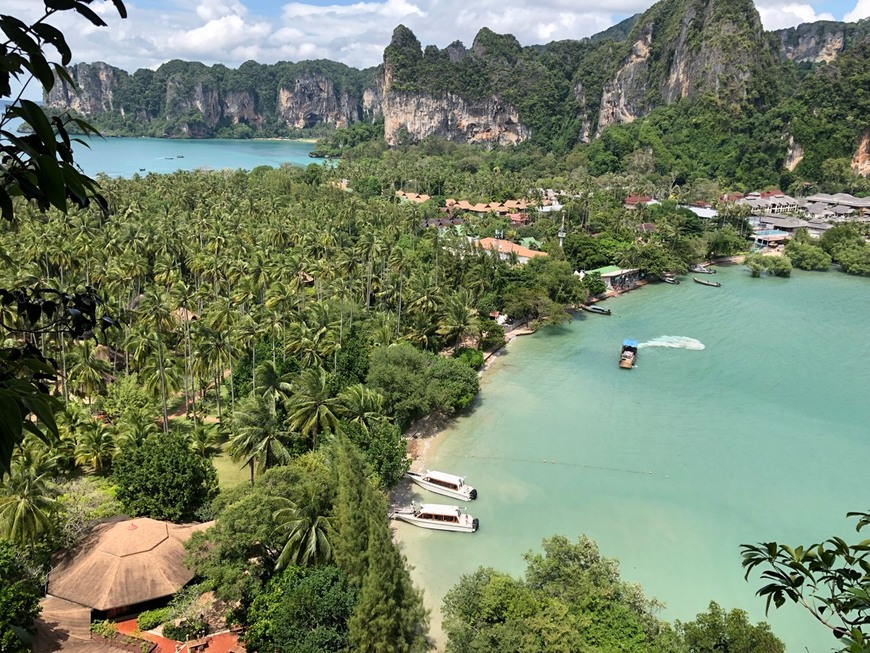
x=673, y=342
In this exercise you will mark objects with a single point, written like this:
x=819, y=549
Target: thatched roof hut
x=123, y=564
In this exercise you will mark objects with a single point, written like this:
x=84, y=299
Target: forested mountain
x=697, y=86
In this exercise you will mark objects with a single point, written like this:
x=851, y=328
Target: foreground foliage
x=831, y=579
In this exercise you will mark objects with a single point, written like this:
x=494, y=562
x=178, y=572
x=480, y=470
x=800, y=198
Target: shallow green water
x=762, y=434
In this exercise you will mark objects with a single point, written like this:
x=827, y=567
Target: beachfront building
x=616, y=279
x=838, y=208
x=769, y=202
x=506, y=250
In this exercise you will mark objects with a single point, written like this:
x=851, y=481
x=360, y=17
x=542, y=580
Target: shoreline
x=427, y=432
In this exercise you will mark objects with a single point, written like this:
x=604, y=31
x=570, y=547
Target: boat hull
x=469, y=527
x=712, y=284
x=444, y=491
x=595, y=309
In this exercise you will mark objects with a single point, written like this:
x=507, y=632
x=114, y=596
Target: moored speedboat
x=701, y=269
x=437, y=516
x=592, y=308
x=671, y=279
x=442, y=483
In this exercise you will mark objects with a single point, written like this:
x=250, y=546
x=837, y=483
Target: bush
x=164, y=479
x=491, y=335
x=193, y=628
x=471, y=357
x=153, y=618
x=104, y=628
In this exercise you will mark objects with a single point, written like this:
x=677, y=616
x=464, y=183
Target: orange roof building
x=505, y=248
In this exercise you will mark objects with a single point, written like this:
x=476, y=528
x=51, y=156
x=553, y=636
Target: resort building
x=839, y=207
x=616, y=279
x=506, y=250
x=121, y=568
x=769, y=201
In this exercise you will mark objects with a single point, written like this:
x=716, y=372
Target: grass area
x=229, y=474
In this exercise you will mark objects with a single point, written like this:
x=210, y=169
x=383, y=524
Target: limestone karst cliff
x=495, y=92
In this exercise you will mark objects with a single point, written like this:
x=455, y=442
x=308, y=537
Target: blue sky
x=354, y=32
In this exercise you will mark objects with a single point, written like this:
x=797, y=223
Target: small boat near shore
x=628, y=355
x=437, y=516
x=671, y=279
x=592, y=308
x=443, y=483
x=714, y=284
x=701, y=269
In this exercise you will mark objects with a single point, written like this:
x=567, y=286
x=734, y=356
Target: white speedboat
x=446, y=484
x=437, y=517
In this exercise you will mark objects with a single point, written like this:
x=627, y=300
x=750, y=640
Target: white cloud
x=778, y=15
x=861, y=10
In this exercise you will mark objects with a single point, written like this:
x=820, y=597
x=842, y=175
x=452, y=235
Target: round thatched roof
x=124, y=563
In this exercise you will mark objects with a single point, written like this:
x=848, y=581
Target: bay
x=759, y=435
x=125, y=157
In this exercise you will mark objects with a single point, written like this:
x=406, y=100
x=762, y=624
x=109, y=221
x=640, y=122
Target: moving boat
x=442, y=483
x=437, y=516
x=701, y=269
x=592, y=308
x=714, y=284
x=628, y=355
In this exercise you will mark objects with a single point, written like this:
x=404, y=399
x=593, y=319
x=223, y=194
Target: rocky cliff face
x=814, y=42
x=861, y=160
x=96, y=83
x=686, y=49
x=416, y=116
x=191, y=100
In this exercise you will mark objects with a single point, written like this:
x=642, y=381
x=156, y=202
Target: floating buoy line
x=563, y=464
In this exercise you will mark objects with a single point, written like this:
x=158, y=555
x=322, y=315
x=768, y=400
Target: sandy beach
x=425, y=433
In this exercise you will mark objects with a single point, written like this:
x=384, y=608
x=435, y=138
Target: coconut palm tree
x=94, y=448
x=307, y=529
x=311, y=406
x=259, y=439
x=361, y=404
x=458, y=318
x=27, y=504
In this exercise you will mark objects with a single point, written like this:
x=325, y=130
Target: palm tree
x=205, y=440
x=361, y=404
x=458, y=318
x=94, y=448
x=307, y=530
x=259, y=439
x=87, y=373
x=311, y=406
x=27, y=503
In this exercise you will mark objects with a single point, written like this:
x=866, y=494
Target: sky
x=353, y=32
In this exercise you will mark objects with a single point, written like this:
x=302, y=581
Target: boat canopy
x=443, y=477
x=439, y=509
x=629, y=343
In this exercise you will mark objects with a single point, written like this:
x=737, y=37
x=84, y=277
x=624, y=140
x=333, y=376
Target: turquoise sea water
x=125, y=157
x=762, y=434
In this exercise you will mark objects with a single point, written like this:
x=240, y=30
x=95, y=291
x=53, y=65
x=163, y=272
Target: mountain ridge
x=699, y=53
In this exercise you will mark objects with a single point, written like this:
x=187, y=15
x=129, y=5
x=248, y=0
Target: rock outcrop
x=96, y=84
x=686, y=49
x=861, y=160
x=415, y=116
x=814, y=42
